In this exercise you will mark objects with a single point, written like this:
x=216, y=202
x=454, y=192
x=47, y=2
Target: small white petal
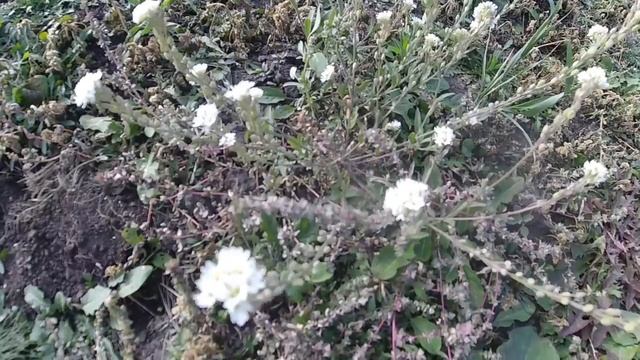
x=145, y=10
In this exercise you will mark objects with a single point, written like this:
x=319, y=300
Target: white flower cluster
x=407, y=197
x=85, y=90
x=459, y=35
x=393, y=125
x=146, y=10
x=595, y=172
x=432, y=41
x=199, y=70
x=206, y=116
x=228, y=139
x=443, y=136
x=410, y=4
x=597, y=32
x=484, y=16
x=244, y=90
x=327, y=73
x=594, y=78
x=384, y=16
x=234, y=280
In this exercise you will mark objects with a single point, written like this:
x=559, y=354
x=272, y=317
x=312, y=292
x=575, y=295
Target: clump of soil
x=66, y=241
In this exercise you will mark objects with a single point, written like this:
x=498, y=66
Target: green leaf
x=307, y=231
x=436, y=86
x=98, y=123
x=385, y=264
x=506, y=190
x=131, y=236
x=318, y=62
x=160, y=260
x=427, y=334
x=620, y=352
x=271, y=95
x=519, y=312
x=475, y=287
x=134, y=279
x=321, y=272
x=525, y=344
x=423, y=248
x=536, y=106
x=35, y=298
x=283, y=112
x=94, y=298
x=269, y=227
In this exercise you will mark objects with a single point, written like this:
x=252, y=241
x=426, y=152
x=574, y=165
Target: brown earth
x=65, y=242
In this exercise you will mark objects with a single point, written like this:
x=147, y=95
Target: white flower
x=432, y=41
x=409, y=4
x=293, y=73
x=244, y=90
x=199, y=70
x=85, y=90
x=206, y=116
x=459, y=35
x=393, y=125
x=443, y=135
x=384, y=16
x=594, y=78
x=484, y=15
x=595, y=172
x=146, y=10
x=597, y=31
x=234, y=280
x=418, y=21
x=228, y=139
x=408, y=196
x=327, y=73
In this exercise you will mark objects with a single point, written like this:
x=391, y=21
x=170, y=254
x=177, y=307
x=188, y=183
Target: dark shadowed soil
x=64, y=243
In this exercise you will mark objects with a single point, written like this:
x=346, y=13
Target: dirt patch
x=65, y=243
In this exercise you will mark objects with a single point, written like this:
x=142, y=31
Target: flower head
x=384, y=16
x=146, y=10
x=595, y=172
x=199, y=70
x=228, y=139
x=244, y=90
x=206, y=116
x=594, y=78
x=443, y=135
x=327, y=73
x=85, y=90
x=409, y=4
x=407, y=197
x=393, y=125
x=597, y=32
x=432, y=41
x=459, y=35
x=234, y=280
x=484, y=15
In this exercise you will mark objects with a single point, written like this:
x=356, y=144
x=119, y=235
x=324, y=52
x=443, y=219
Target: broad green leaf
x=307, y=230
x=519, y=312
x=271, y=95
x=269, y=226
x=620, y=352
x=475, y=287
x=283, y=112
x=94, y=298
x=542, y=349
x=35, y=298
x=436, y=86
x=321, y=272
x=536, y=106
x=423, y=248
x=132, y=236
x=318, y=62
x=525, y=344
x=427, y=335
x=385, y=264
x=98, y=123
x=134, y=279
x=506, y=190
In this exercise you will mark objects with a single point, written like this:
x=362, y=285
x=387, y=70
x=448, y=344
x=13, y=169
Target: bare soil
x=65, y=243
